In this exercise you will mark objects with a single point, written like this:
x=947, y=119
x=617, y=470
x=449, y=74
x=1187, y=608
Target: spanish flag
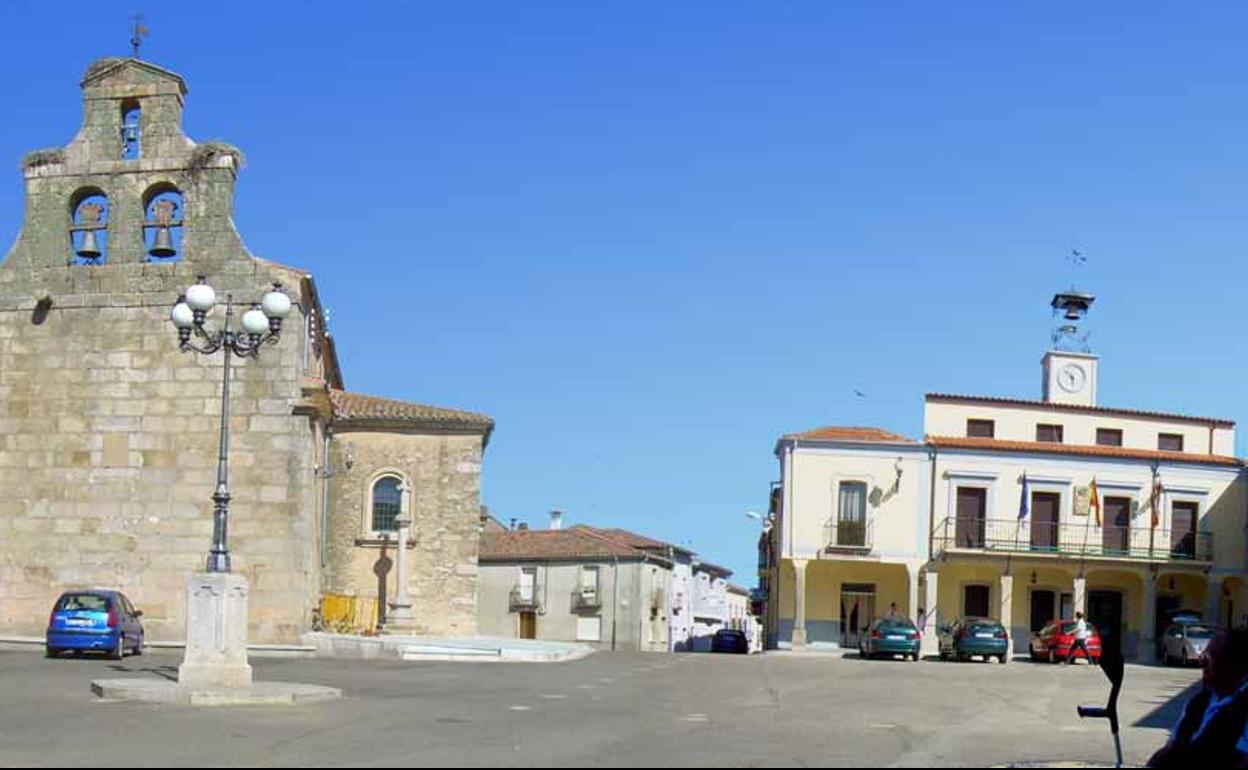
x=1096, y=502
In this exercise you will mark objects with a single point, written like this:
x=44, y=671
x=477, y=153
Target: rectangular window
x=1108, y=437
x=1170, y=442
x=528, y=583
x=589, y=580
x=851, y=522
x=981, y=428
x=1049, y=434
x=589, y=629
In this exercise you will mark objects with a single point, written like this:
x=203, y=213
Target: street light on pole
x=262, y=325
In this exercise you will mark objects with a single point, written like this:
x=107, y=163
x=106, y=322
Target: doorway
x=1043, y=609
x=976, y=600
x=1045, y=518
x=528, y=625
x=1117, y=533
x=857, y=612
x=972, y=516
x=1105, y=612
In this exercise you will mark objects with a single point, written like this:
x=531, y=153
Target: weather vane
x=140, y=32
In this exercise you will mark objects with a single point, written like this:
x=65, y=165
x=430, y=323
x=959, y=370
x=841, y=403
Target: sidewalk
x=425, y=648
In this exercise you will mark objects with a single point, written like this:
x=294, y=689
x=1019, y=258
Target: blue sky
x=650, y=239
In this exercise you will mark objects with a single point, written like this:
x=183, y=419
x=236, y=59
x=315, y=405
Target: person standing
x=1082, y=635
x=1213, y=731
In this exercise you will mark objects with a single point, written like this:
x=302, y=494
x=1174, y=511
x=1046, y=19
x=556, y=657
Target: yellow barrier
x=346, y=614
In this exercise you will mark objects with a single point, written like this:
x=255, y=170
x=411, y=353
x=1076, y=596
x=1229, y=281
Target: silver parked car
x=1185, y=643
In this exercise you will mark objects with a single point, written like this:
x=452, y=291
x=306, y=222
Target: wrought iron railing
x=1073, y=539
x=523, y=598
x=848, y=536
x=586, y=599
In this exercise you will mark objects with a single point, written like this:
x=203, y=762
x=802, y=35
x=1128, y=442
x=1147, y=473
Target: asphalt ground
x=609, y=709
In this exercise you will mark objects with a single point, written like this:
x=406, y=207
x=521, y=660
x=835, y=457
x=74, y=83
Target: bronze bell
x=163, y=245
x=89, y=249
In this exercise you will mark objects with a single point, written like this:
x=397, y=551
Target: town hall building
x=1025, y=511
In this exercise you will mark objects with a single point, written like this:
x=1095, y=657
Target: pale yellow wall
x=826, y=579
x=897, y=512
x=1220, y=493
x=1018, y=423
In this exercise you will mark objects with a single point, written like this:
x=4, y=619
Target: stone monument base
x=216, y=633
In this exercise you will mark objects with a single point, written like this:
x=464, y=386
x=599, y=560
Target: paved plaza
x=623, y=709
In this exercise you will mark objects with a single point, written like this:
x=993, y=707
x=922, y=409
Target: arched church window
x=88, y=232
x=162, y=225
x=387, y=503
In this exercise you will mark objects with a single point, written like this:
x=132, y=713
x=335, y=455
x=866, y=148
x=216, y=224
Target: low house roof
x=374, y=411
x=553, y=545
x=852, y=434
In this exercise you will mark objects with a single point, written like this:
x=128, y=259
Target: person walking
x=1082, y=635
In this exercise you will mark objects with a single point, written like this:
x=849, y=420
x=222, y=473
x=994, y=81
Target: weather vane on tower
x=140, y=32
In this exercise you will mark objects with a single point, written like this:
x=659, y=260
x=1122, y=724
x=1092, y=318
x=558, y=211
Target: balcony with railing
x=1010, y=536
x=523, y=599
x=848, y=537
x=586, y=598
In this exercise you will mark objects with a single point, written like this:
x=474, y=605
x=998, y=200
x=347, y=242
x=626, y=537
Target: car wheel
x=1052, y=657
x=1003, y=659
x=138, y=646
x=50, y=652
x=1183, y=660
x=119, y=650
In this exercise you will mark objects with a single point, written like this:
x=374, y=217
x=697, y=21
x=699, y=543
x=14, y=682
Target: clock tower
x=1070, y=367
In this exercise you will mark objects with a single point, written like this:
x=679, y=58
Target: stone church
x=109, y=432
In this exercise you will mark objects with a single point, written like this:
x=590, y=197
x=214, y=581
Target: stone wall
x=443, y=471
x=108, y=433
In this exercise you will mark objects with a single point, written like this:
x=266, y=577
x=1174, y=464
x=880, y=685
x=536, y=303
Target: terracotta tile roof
x=359, y=408
x=996, y=401
x=635, y=540
x=707, y=566
x=551, y=544
x=841, y=433
x=1033, y=447
x=733, y=588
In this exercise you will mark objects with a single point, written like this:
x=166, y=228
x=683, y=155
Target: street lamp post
x=217, y=599
x=262, y=325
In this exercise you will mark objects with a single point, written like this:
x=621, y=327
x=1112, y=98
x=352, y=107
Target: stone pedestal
x=401, y=620
x=216, y=633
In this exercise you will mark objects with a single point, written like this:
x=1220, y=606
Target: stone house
x=576, y=584
x=108, y=432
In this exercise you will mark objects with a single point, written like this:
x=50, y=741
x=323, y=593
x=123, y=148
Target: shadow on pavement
x=1167, y=711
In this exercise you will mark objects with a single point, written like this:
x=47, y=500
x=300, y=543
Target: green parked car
x=890, y=637
x=968, y=637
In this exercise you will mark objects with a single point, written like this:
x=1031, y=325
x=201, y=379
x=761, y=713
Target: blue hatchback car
x=94, y=621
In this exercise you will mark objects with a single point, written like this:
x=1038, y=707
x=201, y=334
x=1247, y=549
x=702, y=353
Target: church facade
x=108, y=432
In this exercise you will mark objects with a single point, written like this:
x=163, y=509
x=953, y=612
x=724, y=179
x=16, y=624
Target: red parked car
x=1054, y=641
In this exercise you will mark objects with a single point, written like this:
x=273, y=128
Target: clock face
x=1072, y=378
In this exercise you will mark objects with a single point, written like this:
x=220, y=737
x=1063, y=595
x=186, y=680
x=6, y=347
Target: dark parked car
x=1054, y=641
x=94, y=621
x=890, y=637
x=730, y=640
x=967, y=637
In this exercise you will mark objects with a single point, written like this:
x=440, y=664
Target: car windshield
x=897, y=623
x=982, y=623
x=1199, y=632
x=83, y=602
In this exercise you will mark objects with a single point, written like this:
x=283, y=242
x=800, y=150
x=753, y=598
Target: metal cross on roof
x=139, y=32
